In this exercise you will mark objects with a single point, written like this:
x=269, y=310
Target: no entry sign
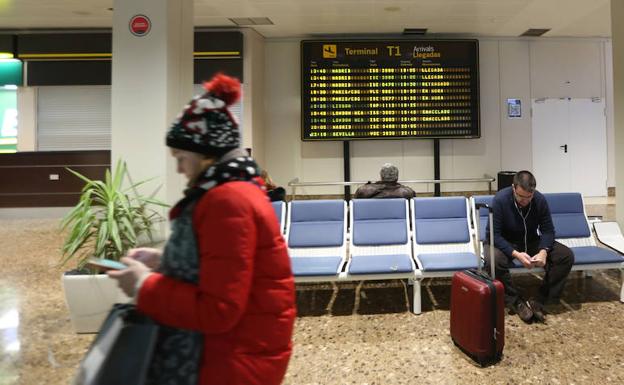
x=140, y=25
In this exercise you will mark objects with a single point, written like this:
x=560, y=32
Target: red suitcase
x=478, y=309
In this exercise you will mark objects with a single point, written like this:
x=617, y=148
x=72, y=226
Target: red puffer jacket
x=245, y=301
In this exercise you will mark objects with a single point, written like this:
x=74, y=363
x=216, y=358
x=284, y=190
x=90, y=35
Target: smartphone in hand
x=105, y=264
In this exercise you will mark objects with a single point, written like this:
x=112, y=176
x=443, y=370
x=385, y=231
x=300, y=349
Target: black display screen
x=364, y=89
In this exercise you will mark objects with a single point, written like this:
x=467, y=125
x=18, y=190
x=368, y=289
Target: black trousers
x=558, y=265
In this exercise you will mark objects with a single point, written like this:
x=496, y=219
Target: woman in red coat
x=222, y=289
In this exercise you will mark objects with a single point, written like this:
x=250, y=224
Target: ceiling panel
x=300, y=18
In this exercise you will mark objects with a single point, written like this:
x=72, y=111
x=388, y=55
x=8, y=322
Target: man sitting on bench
x=520, y=212
x=387, y=187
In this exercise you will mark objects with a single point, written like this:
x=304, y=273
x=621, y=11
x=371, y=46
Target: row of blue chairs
x=414, y=239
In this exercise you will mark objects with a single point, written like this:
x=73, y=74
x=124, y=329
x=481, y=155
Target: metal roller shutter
x=78, y=117
x=73, y=118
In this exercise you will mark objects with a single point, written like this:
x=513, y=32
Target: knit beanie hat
x=206, y=125
x=389, y=173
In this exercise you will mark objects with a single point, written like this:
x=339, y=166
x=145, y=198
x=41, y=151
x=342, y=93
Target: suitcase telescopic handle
x=480, y=206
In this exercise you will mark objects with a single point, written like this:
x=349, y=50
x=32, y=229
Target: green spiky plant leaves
x=109, y=219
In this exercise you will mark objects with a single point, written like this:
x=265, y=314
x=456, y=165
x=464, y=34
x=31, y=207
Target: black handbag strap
x=122, y=351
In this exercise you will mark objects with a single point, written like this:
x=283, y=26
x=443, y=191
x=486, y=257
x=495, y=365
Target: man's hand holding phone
x=539, y=259
x=524, y=258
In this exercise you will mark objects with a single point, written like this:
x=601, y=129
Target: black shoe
x=523, y=310
x=538, y=310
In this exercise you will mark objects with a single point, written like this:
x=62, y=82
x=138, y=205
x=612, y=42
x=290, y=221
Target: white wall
x=566, y=68
x=152, y=79
x=27, y=119
x=283, y=147
x=617, y=30
x=608, y=75
x=515, y=134
x=509, y=68
x=253, y=94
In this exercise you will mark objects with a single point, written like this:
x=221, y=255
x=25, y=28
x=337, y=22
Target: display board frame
x=406, y=53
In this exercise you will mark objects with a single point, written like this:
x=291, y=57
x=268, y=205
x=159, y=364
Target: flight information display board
x=365, y=89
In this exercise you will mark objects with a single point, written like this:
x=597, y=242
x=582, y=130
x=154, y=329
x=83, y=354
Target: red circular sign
x=140, y=25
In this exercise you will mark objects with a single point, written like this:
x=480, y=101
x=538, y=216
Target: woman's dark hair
x=526, y=180
x=277, y=194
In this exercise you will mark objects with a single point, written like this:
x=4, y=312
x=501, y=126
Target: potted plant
x=110, y=218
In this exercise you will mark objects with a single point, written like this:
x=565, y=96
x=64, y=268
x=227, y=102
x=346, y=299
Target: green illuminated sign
x=10, y=72
x=8, y=121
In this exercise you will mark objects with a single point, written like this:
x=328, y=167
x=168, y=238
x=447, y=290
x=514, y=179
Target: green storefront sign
x=10, y=77
x=8, y=120
x=10, y=72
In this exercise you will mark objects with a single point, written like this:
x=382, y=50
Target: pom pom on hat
x=225, y=88
x=206, y=125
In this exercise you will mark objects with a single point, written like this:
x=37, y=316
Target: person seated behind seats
x=387, y=187
x=274, y=192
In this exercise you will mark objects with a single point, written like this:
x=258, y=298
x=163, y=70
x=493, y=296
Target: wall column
x=253, y=101
x=152, y=79
x=617, y=34
x=27, y=122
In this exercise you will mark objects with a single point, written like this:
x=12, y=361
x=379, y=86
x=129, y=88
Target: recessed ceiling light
x=261, y=21
x=241, y=20
x=535, y=31
x=251, y=21
x=414, y=31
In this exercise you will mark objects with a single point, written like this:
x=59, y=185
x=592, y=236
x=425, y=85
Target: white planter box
x=89, y=299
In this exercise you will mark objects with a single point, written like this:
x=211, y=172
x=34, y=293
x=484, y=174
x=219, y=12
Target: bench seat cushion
x=380, y=264
x=448, y=261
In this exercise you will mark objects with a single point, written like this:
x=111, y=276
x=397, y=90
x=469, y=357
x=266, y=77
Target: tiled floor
x=352, y=333
x=45, y=350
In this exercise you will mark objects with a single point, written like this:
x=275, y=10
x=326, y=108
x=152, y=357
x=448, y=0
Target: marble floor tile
x=348, y=333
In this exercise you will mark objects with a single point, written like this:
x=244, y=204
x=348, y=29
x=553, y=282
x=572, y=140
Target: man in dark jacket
x=523, y=230
x=387, y=187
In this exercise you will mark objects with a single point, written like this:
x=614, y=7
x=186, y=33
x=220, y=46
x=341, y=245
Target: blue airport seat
x=443, y=242
x=442, y=234
x=483, y=213
x=280, y=212
x=572, y=229
x=316, y=237
x=380, y=239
